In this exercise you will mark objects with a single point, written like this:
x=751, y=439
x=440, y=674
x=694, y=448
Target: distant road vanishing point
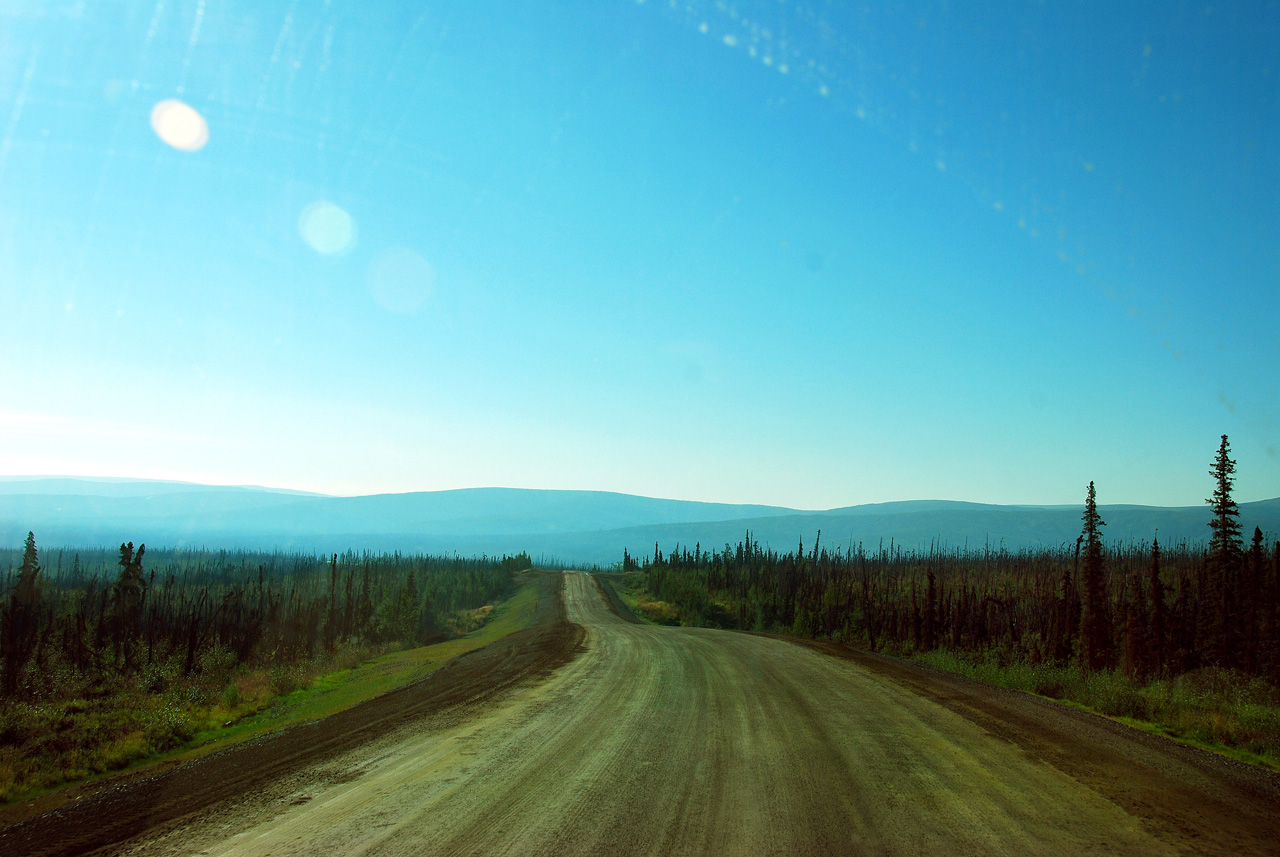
x=691, y=741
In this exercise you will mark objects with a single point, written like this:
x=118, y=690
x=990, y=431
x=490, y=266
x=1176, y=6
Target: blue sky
x=770, y=252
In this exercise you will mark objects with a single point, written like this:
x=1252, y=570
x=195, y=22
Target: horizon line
x=308, y=493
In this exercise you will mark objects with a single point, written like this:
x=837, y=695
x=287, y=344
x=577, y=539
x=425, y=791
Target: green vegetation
x=630, y=588
x=1217, y=709
x=98, y=677
x=346, y=687
x=1185, y=638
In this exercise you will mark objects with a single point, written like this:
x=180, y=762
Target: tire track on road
x=687, y=740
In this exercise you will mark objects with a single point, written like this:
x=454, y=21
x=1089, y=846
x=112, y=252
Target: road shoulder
x=1170, y=787
x=110, y=811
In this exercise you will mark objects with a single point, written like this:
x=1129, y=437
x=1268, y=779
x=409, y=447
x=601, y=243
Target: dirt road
x=659, y=741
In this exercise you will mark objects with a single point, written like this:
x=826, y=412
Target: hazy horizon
x=746, y=252
x=298, y=492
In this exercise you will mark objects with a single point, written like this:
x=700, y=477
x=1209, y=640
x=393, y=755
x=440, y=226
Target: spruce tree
x=1068, y=624
x=1156, y=611
x=331, y=616
x=931, y=613
x=408, y=609
x=1271, y=616
x=1224, y=563
x=1224, y=545
x=1250, y=598
x=127, y=597
x=1095, y=642
x=20, y=620
x=1137, y=658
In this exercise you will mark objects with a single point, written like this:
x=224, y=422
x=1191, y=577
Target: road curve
x=677, y=741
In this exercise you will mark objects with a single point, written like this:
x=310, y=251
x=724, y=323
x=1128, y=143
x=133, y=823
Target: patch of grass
x=342, y=689
x=1220, y=710
x=644, y=606
x=158, y=715
x=51, y=743
x=465, y=621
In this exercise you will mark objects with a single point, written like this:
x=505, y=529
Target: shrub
x=119, y=753
x=169, y=726
x=286, y=678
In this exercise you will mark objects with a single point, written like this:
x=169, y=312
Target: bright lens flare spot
x=178, y=124
x=400, y=280
x=326, y=228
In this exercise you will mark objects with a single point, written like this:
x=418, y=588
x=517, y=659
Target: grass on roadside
x=642, y=604
x=341, y=689
x=159, y=716
x=1214, y=709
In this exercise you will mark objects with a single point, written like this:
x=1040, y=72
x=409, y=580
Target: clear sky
x=748, y=251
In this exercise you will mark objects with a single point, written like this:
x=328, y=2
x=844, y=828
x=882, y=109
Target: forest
x=1176, y=618
x=108, y=656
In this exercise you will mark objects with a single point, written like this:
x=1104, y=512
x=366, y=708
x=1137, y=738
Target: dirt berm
x=115, y=810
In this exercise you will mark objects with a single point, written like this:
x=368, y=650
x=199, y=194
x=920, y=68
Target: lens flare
x=400, y=280
x=326, y=228
x=178, y=124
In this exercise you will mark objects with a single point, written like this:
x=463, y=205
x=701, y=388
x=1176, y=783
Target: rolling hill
x=573, y=526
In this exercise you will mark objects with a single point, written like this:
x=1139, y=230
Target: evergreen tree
x=397, y=618
x=1137, y=657
x=20, y=620
x=364, y=605
x=1095, y=633
x=930, y=631
x=1156, y=612
x=408, y=607
x=1225, y=542
x=1271, y=616
x=1219, y=640
x=1068, y=624
x=331, y=627
x=127, y=597
x=1250, y=597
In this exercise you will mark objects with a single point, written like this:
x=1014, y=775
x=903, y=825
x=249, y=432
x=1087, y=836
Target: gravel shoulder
x=1204, y=802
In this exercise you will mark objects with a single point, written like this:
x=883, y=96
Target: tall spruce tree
x=1225, y=542
x=1095, y=631
x=1222, y=573
x=20, y=619
x=128, y=595
x=1156, y=612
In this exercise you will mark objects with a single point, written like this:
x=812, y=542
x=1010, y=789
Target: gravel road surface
x=694, y=741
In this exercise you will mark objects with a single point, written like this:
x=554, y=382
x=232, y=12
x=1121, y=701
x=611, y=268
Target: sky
x=768, y=251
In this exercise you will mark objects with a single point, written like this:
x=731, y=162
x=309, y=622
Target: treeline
x=1152, y=611
x=100, y=613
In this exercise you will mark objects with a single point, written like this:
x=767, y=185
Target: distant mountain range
x=572, y=526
